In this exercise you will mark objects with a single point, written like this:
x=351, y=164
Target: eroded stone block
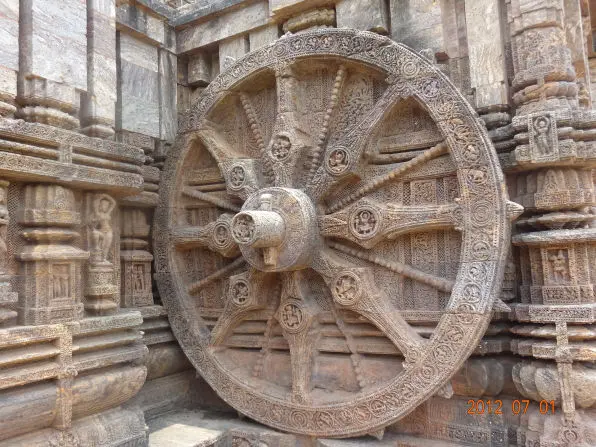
x=367, y=15
x=140, y=86
x=486, y=52
x=417, y=23
x=263, y=36
x=232, y=50
x=222, y=27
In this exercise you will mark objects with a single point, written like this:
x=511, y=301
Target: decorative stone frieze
x=556, y=266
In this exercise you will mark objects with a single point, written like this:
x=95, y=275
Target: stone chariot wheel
x=331, y=234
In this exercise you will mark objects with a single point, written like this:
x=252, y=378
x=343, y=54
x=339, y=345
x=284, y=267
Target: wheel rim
x=344, y=256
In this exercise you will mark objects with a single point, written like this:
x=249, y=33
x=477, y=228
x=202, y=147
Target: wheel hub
x=276, y=229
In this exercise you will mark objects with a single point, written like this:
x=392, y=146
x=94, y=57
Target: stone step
x=199, y=428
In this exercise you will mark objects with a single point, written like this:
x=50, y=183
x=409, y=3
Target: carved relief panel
x=558, y=266
x=329, y=266
x=103, y=269
x=135, y=259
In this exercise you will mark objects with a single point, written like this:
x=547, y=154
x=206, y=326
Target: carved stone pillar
x=135, y=259
x=101, y=294
x=52, y=61
x=99, y=103
x=8, y=298
x=551, y=176
x=50, y=277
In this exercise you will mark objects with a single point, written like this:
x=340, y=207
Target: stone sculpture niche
x=102, y=287
x=327, y=263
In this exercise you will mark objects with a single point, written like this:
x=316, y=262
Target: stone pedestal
x=101, y=291
x=50, y=277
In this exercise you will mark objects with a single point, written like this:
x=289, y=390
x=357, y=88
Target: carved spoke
x=245, y=295
x=322, y=137
x=216, y=236
x=374, y=184
x=442, y=284
x=298, y=321
x=257, y=131
x=354, y=288
x=242, y=176
x=210, y=198
x=215, y=143
x=218, y=274
x=368, y=222
x=342, y=159
x=288, y=141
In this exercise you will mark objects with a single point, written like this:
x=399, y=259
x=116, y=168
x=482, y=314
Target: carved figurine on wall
x=139, y=278
x=102, y=233
x=542, y=127
x=559, y=263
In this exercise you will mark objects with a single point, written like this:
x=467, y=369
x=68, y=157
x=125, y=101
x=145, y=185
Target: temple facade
x=294, y=222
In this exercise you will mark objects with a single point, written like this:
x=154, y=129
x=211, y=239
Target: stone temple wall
x=90, y=96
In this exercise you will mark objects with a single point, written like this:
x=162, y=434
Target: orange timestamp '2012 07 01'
x=518, y=406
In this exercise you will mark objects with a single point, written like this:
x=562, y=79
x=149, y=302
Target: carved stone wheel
x=331, y=234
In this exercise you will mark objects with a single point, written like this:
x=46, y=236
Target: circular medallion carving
x=239, y=292
x=320, y=249
x=280, y=149
x=222, y=236
x=243, y=228
x=471, y=154
x=237, y=177
x=291, y=317
x=338, y=161
x=472, y=293
x=364, y=222
x=346, y=288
